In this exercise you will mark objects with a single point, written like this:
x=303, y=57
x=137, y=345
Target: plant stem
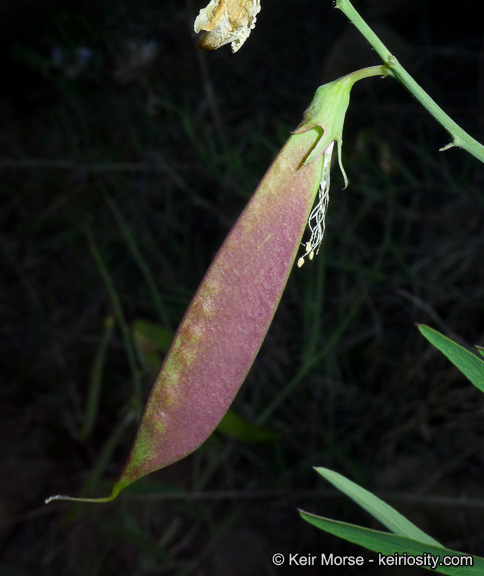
x=459, y=137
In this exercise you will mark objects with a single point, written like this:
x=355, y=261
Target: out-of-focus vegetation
x=125, y=157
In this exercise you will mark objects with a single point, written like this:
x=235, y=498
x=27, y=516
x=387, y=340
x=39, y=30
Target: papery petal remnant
x=226, y=21
x=317, y=218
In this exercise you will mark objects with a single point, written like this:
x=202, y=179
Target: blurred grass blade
x=96, y=379
x=380, y=510
x=151, y=333
x=152, y=341
x=391, y=544
x=239, y=428
x=118, y=313
x=467, y=362
x=141, y=261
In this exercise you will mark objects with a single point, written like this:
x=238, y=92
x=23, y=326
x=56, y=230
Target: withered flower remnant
x=226, y=21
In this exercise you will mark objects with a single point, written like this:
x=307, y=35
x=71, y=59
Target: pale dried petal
x=227, y=21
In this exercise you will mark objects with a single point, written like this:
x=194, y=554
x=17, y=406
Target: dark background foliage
x=126, y=154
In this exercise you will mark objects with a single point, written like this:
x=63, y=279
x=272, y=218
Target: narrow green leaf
x=397, y=550
x=380, y=510
x=467, y=362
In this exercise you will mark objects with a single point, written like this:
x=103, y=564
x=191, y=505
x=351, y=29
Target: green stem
x=459, y=136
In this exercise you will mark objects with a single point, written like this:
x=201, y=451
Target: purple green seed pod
x=228, y=318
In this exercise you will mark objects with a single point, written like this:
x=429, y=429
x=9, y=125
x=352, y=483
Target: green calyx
x=327, y=113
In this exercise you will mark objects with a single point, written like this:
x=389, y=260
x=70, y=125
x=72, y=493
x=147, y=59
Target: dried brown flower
x=227, y=21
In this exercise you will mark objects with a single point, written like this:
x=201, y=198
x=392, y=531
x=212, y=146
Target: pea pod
x=228, y=318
